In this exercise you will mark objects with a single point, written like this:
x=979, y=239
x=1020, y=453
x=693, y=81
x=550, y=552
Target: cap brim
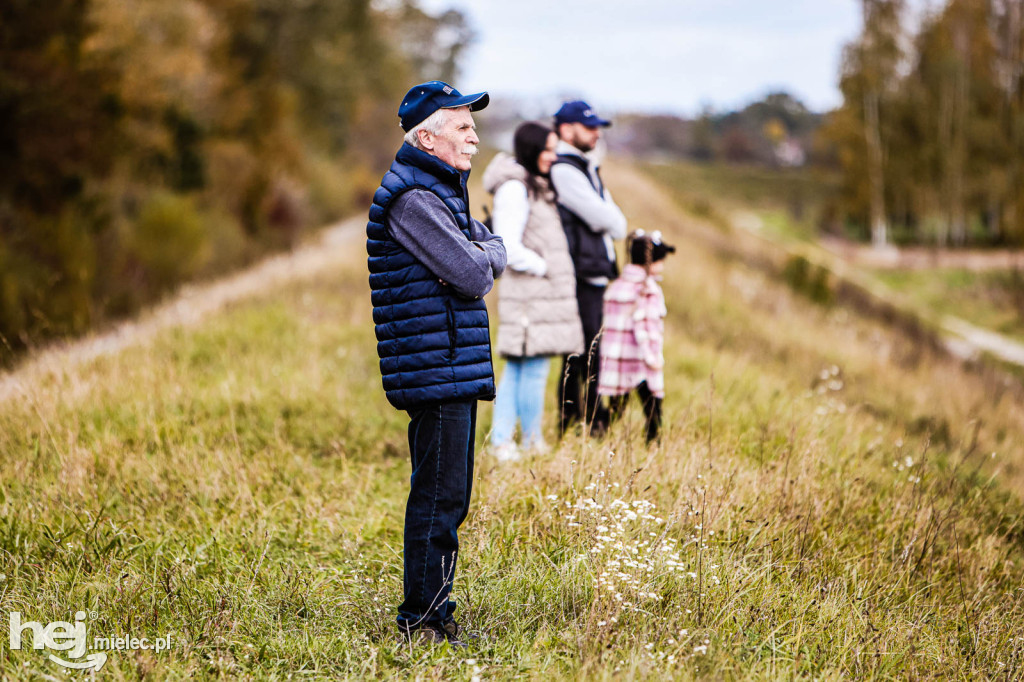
x=592, y=122
x=474, y=102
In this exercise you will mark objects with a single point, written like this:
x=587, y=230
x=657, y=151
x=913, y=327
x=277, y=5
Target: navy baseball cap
x=424, y=99
x=579, y=111
x=643, y=245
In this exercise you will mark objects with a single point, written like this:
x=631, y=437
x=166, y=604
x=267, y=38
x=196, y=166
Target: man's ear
x=426, y=139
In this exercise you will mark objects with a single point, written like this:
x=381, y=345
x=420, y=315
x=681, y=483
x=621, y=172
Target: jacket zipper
x=451, y=326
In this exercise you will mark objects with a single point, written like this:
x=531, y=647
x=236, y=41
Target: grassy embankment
x=829, y=501
x=993, y=300
x=788, y=201
x=790, y=204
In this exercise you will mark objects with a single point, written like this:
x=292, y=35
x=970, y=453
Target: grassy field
x=993, y=300
x=829, y=501
x=789, y=201
x=789, y=205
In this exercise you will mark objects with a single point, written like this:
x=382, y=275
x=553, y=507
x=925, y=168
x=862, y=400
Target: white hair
x=432, y=124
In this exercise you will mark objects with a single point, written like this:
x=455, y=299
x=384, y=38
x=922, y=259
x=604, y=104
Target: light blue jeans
x=520, y=398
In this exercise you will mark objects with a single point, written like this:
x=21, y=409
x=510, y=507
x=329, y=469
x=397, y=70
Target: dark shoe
x=455, y=632
x=433, y=635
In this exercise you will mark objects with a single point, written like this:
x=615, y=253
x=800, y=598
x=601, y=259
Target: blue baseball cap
x=424, y=99
x=579, y=111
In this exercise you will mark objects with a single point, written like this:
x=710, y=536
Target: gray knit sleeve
x=420, y=222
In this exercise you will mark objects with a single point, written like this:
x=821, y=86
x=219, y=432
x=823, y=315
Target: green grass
x=789, y=201
x=993, y=300
x=829, y=501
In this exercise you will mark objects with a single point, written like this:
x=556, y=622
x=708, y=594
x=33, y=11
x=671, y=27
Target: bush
x=169, y=241
x=796, y=272
x=231, y=169
x=330, y=189
x=228, y=246
x=810, y=280
x=47, y=269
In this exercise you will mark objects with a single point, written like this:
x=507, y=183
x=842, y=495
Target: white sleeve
x=511, y=212
x=577, y=194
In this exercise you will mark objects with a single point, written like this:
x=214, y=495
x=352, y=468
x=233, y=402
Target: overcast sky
x=669, y=56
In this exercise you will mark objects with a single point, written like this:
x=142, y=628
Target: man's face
x=457, y=142
x=583, y=137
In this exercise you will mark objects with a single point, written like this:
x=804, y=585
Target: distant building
x=790, y=153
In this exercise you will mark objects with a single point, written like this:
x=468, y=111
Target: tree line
x=759, y=133
x=148, y=142
x=930, y=135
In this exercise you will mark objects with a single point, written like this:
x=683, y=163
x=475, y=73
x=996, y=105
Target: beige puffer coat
x=537, y=315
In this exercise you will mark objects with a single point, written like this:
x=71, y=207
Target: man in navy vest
x=591, y=221
x=430, y=265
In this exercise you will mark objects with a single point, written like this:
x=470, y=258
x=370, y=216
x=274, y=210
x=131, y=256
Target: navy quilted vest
x=434, y=346
x=588, y=250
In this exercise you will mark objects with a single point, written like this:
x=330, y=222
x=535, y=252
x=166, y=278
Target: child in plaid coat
x=633, y=340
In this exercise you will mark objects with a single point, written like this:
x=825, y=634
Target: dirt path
x=968, y=342
x=190, y=306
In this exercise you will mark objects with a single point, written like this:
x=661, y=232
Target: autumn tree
x=946, y=144
x=869, y=81
x=59, y=108
x=146, y=142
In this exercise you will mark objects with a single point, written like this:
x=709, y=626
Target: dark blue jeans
x=441, y=442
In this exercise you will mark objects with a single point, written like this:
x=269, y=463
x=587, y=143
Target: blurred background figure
x=633, y=341
x=591, y=222
x=537, y=308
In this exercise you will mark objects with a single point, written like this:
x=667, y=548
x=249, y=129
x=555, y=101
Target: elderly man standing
x=430, y=265
x=591, y=221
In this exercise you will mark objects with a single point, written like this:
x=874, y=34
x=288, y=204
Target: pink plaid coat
x=633, y=341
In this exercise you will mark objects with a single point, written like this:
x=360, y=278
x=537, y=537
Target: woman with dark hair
x=537, y=309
